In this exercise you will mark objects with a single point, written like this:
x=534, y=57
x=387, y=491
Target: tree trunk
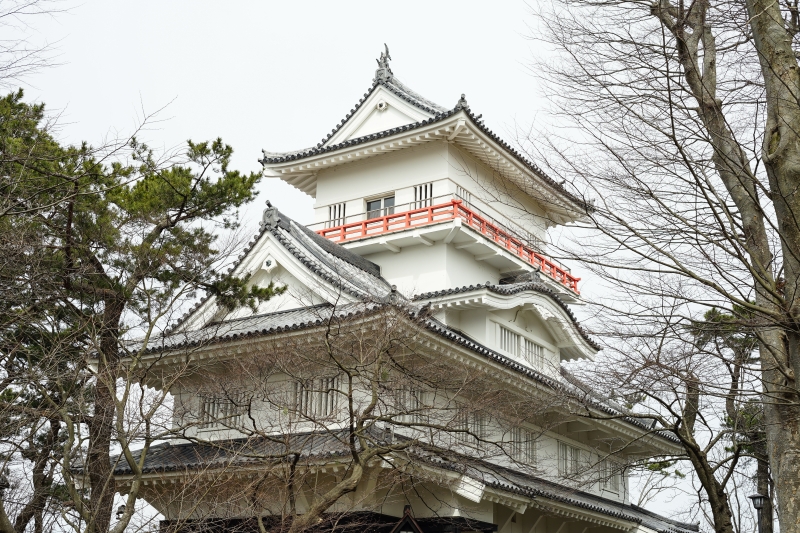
x=101, y=478
x=780, y=355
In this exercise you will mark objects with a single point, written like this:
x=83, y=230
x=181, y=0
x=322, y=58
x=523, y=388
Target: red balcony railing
x=449, y=211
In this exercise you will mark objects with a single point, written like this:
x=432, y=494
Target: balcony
x=445, y=211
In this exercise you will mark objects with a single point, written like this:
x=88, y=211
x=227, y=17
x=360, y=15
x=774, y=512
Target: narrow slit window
x=336, y=215
x=509, y=341
x=222, y=411
x=423, y=195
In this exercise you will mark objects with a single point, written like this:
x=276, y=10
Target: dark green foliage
x=90, y=250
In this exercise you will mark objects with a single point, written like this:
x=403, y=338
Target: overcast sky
x=275, y=75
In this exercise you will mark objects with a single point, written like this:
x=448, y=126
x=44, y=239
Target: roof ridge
x=272, y=314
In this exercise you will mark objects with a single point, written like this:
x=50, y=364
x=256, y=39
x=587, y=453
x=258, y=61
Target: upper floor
x=400, y=171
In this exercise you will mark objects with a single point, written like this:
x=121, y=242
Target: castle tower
x=423, y=321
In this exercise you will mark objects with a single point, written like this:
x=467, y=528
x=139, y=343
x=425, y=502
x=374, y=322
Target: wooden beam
x=513, y=512
x=389, y=246
x=459, y=126
x=533, y=527
x=453, y=232
x=424, y=240
x=484, y=257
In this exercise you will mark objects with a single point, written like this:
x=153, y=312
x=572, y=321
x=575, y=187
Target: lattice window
x=317, y=398
x=423, y=195
x=463, y=194
x=336, y=215
x=610, y=475
x=410, y=404
x=523, y=445
x=509, y=341
x=224, y=411
x=569, y=459
x=533, y=353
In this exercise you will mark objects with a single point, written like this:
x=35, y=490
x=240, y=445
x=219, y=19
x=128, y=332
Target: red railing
x=442, y=213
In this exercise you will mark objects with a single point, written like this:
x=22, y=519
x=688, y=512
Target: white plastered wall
x=492, y=197
x=381, y=175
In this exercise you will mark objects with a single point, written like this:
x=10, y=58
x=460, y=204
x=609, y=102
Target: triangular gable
x=382, y=110
x=314, y=269
x=407, y=524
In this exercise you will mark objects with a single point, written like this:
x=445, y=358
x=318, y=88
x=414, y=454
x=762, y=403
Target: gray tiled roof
x=255, y=325
x=332, y=262
x=509, y=289
x=566, y=385
x=342, y=268
x=320, y=445
x=169, y=457
x=528, y=485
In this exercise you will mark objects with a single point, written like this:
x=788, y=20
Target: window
x=336, y=215
x=316, y=398
x=533, y=353
x=568, y=459
x=480, y=429
x=463, y=194
x=225, y=411
x=509, y=341
x=409, y=402
x=523, y=445
x=423, y=195
x=380, y=207
x=519, y=346
x=610, y=475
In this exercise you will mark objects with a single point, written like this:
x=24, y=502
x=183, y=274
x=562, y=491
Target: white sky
x=275, y=75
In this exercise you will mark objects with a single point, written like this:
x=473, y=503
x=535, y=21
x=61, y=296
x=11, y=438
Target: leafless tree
x=679, y=119
x=334, y=419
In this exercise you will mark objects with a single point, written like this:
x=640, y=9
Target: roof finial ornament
x=462, y=103
x=270, y=217
x=384, y=72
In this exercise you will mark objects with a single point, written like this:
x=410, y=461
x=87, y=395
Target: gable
x=315, y=270
x=381, y=110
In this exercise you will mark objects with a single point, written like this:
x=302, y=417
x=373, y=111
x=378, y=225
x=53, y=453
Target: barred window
x=463, y=194
x=316, y=398
x=509, y=341
x=225, y=411
x=336, y=215
x=423, y=195
x=519, y=346
x=533, y=353
x=610, y=475
x=409, y=403
x=480, y=429
x=568, y=459
x=523, y=445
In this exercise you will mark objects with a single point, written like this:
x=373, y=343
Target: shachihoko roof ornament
x=384, y=72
